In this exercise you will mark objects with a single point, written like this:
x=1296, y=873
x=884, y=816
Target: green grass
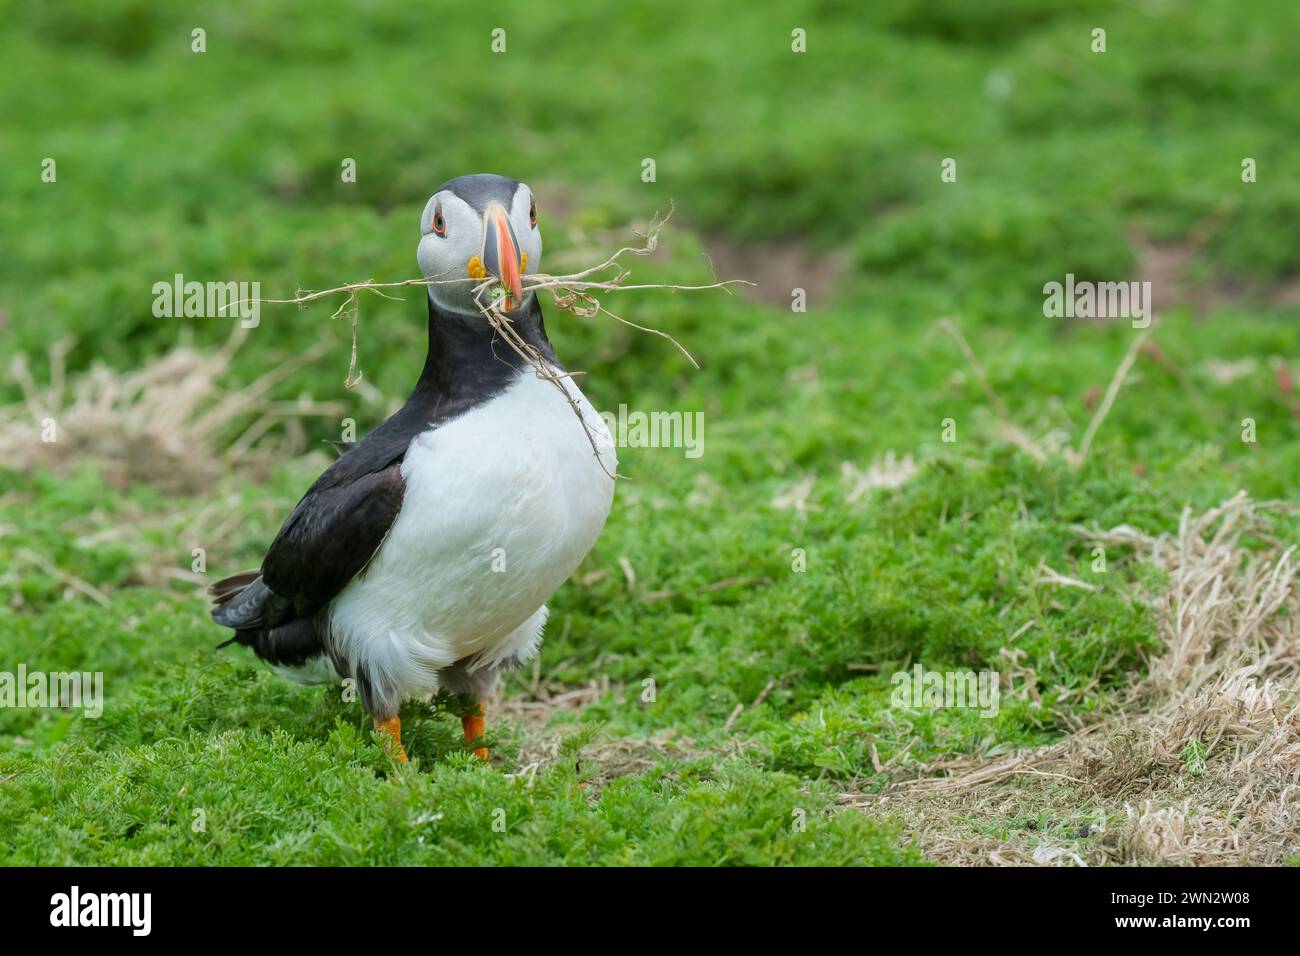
x=225, y=165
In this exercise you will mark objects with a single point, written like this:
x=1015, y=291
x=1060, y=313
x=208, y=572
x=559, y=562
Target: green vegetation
x=225, y=165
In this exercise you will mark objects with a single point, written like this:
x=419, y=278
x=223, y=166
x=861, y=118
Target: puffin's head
x=474, y=227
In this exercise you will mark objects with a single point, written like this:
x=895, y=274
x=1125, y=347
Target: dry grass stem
x=1012, y=432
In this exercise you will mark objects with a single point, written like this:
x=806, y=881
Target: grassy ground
x=225, y=165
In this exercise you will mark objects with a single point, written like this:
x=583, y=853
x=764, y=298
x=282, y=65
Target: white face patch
x=447, y=256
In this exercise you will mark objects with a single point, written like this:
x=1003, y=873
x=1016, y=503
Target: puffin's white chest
x=501, y=505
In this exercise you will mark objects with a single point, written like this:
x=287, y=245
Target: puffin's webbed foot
x=393, y=728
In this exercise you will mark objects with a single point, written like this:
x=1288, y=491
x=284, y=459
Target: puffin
x=422, y=558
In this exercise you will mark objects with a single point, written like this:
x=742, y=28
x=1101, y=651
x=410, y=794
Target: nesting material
x=580, y=293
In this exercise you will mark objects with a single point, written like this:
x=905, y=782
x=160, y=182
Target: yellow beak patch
x=476, y=270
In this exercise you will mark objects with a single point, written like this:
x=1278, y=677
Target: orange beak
x=501, y=254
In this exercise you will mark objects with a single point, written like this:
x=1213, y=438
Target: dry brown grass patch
x=548, y=713
x=1198, y=763
x=167, y=423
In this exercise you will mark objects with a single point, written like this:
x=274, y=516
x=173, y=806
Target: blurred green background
x=226, y=163
x=818, y=170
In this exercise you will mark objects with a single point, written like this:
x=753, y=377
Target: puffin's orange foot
x=473, y=725
x=393, y=727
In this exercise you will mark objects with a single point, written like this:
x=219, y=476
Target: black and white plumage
x=424, y=556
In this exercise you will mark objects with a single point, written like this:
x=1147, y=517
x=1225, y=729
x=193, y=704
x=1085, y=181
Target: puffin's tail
x=227, y=588
x=244, y=602
x=239, y=601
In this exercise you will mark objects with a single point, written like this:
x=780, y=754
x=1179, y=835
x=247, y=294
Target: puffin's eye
x=532, y=213
x=439, y=224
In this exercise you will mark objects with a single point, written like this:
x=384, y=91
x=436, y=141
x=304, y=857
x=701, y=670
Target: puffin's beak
x=501, y=254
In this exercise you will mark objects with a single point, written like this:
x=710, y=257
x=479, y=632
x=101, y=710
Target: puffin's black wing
x=330, y=536
x=328, y=539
